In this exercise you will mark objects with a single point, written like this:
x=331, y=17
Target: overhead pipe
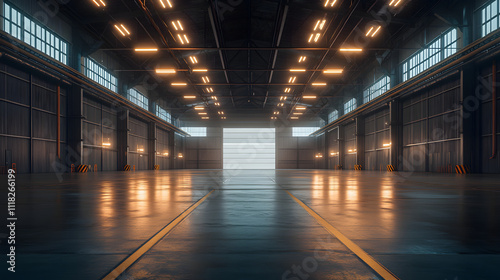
x=494, y=110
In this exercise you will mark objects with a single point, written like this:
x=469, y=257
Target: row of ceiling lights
x=318, y=29
x=183, y=39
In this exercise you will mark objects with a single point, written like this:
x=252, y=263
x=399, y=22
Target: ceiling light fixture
x=165, y=71
x=163, y=4
x=205, y=118
x=394, y=3
x=332, y=3
x=302, y=59
x=199, y=108
x=189, y=96
x=310, y=38
x=146, y=50
x=297, y=70
x=351, y=50
x=317, y=37
x=217, y=104
x=333, y=71
x=294, y=118
x=298, y=113
x=180, y=38
x=214, y=97
x=318, y=84
x=292, y=80
x=309, y=96
x=376, y=31
x=101, y=1
x=122, y=29
x=186, y=38
x=287, y=90
x=202, y=113
x=194, y=60
x=300, y=108
x=200, y=70
x=179, y=84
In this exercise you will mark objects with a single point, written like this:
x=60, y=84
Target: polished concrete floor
x=419, y=226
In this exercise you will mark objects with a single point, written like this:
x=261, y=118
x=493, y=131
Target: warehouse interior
x=238, y=139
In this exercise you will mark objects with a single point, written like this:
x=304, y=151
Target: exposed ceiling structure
x=231, y=56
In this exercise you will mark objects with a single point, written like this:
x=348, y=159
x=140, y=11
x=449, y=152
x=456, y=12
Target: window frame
x=99, y=74
x=378, y=88
x=433, y=53
x=34, y=34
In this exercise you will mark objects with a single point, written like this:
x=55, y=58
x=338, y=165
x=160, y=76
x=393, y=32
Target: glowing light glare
x=222, y=118
x=333, y=71
x=294, y=118
x=180, y=38
x=287, y=90
x=193, y=59
x=310, y=38
x=320, y=25
x=292, y=80
x=186, y=38
x=394, y=3
x=165, y=154
x=180, y=155
x=330, y=2
x=300, y=108
x=189, y=96
x=146, y=50
x=274, y=118
x=318, y=84
x=369, y=31
x=387, y=144
x=302, y=59
x=317, y=24
x=106, y=144
x=97, y=3
x=120, y=30
x=200, y=70
x=165, y=71
x=124, y=28
x=298, y=113
x=199, y=108
x=297, y=70
x=351, y=50
x=214, y=97
x=217, y=104
x=162, y=2
x=202, y=113
x=319, y=155
x=179, y=84
x=205, y=118
x=309, y=96
x=317, y=37
x=376, y=31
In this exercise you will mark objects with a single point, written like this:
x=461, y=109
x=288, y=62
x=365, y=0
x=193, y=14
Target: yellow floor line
x=152, y=241
x=370, y=261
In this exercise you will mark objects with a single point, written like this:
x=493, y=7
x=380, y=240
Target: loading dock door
x=249, y=148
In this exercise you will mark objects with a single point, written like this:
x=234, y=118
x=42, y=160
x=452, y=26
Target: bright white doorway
x=249, y=148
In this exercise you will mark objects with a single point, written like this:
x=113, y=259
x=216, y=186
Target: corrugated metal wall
x=138, y=143
x=294, y=152
x=350, y=146
x=99, y=127
x=489, y=165
x=162, y=147
x=205, y=152
x=179, y=149
x=28, y=121
x=377, y=133
x=333, y=148
x=431, y=141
